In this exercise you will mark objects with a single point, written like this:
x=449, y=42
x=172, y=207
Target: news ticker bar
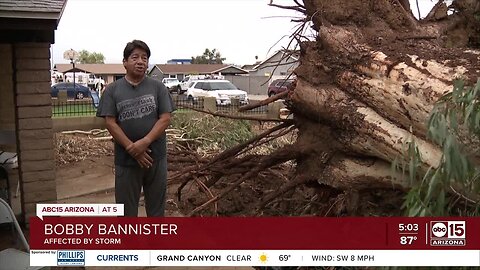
x=255, y=258
x=287, y=233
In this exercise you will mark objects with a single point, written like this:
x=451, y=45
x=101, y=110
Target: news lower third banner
x=105, y=238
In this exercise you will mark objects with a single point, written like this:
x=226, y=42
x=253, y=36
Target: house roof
x=293, y=56
x=198, y=69
x=231, y=70
x=180, y=60
x=250, y=66
x=190, y=69
x=75, y=69
x=98, y=69
x=33, y=9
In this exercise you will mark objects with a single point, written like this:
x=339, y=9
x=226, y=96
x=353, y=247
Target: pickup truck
x=186, y=81
x=173, y=85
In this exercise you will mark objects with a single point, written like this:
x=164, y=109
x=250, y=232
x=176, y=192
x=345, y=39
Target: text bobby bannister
x=111, y=229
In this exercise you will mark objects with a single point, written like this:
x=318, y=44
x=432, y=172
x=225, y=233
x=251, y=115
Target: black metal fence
x=86, y=107
x=233, y=108
x=199, y=103
x=184, y=102
x=73, y=108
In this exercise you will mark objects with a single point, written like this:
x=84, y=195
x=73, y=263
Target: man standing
x=137, y=110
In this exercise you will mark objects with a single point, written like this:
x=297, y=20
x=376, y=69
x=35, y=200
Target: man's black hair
x=135, y=44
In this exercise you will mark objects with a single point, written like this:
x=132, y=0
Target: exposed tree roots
x=237, y=163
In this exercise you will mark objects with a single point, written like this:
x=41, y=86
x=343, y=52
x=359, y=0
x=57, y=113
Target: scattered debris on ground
x=74, y=146
x=202, y=168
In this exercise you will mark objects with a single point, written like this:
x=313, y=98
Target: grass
x=71, y=110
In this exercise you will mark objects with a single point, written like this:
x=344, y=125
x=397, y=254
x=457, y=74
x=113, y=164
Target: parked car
x=77, y=92
x=186, y=83
x=173, y=85
x=279, y=86
x=190, y=78
x=223, y=90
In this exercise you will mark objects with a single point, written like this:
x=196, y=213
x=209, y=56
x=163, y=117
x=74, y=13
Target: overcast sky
x=239, y=29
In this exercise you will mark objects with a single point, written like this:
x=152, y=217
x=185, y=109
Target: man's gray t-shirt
x=137, y=109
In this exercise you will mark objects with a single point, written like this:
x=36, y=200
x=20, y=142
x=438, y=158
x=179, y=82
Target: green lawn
x=69, y=110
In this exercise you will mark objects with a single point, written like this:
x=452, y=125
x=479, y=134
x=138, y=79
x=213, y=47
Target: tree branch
x=297, y=8
x=263, y=102
x=279, y=156
x=240, y=117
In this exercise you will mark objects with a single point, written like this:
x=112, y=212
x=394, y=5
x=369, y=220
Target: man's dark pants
x=128, y=184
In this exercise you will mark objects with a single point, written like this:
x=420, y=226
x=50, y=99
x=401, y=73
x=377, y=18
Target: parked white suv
x=223, y=90
x=172, y=84
x=190, y=78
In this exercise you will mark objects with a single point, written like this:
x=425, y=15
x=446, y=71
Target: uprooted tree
x=365, y=90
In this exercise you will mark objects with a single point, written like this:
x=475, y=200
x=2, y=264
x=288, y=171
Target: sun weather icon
x=263, y=258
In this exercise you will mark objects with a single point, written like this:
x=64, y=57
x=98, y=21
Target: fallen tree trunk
x=362, y=173
x=361, y=129
x=373, y=76
x=404, y=93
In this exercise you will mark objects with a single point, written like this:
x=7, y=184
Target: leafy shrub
x=452, y=187
x=212, y=133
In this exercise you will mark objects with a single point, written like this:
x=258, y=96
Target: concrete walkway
x=91, y=176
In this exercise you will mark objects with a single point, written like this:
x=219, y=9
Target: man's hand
x=145, y=160
x=137, y=148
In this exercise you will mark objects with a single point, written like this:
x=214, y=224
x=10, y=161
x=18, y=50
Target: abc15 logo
x=448, y=229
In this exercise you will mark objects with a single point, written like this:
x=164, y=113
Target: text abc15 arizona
x=448, y=233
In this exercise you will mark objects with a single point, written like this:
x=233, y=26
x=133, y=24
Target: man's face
x=137, y=63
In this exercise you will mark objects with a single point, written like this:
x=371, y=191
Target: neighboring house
x=27, y=30
x=180, y=71
x=280, y=65
x=250, y=67
x=81, y=76
x=179, y=61
x=108, y=72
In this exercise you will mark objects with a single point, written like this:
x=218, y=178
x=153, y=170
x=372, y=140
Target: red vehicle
x=278, y=86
